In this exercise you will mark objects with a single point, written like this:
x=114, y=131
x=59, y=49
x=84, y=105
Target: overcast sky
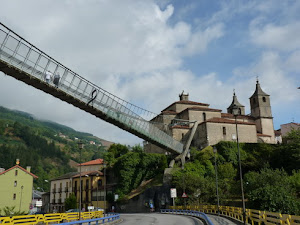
x=147, y=52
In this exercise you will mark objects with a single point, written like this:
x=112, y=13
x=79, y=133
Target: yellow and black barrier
x=252, y=216
x=49, y=218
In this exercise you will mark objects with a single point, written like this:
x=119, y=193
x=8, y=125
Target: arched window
x=204, y=116
x=264, y=99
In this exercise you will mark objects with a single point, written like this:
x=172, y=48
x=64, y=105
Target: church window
x=264, y=99
x=224, y=130
x=204, y=116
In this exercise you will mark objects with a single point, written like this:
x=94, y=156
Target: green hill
x=46, y=146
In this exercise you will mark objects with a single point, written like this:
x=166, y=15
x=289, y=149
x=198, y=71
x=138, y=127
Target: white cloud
x=283, y=38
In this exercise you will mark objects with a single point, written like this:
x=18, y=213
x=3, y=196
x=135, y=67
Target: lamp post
x=217, y=189
x=80, y=146
x=236, y=112
x=104, y=165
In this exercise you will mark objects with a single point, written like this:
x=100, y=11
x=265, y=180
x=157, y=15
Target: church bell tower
x=261, y=112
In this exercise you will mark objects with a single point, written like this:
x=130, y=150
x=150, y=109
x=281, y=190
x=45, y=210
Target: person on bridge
x=48, y=76
x=56, y=79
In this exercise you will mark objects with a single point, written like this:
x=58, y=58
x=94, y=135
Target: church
x=185, y=119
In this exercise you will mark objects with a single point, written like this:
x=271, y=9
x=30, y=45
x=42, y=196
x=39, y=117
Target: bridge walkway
x=25, y=62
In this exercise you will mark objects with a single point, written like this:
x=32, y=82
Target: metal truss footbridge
x=25, y=62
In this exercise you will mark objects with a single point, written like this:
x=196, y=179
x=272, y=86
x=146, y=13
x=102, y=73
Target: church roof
x=201, y=109
x=229, y=115
x=235, y=102
x=186, y=103
x=258, y=90
x=222, y=120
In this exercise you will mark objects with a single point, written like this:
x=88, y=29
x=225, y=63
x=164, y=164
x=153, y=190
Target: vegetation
x=70, y=202
x=271, y=176
x=10, y=211
x=45, y=146
x=132, y=166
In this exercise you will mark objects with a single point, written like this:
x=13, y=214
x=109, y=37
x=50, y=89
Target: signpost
x=173, y=195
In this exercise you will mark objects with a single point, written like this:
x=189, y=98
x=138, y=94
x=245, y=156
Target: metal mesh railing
x=17, y=52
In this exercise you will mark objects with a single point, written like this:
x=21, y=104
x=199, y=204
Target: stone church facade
x=215, y=126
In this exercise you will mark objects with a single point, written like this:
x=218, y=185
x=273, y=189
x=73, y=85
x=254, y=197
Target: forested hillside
x=46, y=146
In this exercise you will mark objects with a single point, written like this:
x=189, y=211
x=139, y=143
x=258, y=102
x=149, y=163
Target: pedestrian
x=151, y=207
x=56, y=79
x=48, y=76
x=113, y=208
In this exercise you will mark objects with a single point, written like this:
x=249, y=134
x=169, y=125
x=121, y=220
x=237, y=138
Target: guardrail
x=253, y=216
x=50, y=218
x=189, y=213
x=103, y=220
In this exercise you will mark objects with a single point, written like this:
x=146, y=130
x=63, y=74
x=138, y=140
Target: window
x=204, y=116
x=224, y=130
x=264, y=99
x=16, y=173
x=99, y=183
x=15, y=183
x=14, y=196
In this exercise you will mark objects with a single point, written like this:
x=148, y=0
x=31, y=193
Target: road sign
x=38, y=203
x=173, y=193
x=184, y=195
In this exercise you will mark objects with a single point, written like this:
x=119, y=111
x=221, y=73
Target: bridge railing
x=252, y=216
x=55, y=218
x=23, y=55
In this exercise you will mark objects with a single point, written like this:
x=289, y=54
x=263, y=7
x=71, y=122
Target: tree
x=271, y=190
x=70, y=202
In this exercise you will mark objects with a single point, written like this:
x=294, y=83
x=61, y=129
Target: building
x=288, y=127
x=92, y=189
x=60, y=189
x=92, y=180
x=93, y=165
x=16, y=187
x=213, y=126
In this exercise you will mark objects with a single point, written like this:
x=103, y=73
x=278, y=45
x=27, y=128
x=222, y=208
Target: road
x=158, y=219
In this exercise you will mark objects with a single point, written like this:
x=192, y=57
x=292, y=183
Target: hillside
x=48, y=147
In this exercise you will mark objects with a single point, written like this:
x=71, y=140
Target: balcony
x=59, y=190
x=53, y=201
x=54, y=190
x=66, y=189
x=59, y=201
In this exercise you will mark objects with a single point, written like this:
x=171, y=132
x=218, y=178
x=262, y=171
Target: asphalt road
x=158, y=219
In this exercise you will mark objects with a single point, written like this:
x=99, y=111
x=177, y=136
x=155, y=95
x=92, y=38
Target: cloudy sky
x=147, y=52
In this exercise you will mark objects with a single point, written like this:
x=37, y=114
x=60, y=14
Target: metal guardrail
x=189, y=213
x=71, y=218
x=253, y=216
x=19, y=53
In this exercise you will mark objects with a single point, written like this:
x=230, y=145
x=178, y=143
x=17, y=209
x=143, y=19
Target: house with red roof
x=16, y=187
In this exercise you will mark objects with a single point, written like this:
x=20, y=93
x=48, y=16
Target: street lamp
x=80, y=146
x=104, y=165
x=217, y=189
x=236, y=112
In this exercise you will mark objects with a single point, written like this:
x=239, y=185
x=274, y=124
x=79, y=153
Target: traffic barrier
x=189, y=213
x=49, y=218
x=252, y=216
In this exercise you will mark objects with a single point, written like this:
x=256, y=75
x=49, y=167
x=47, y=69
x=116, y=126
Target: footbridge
x=25, y=62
